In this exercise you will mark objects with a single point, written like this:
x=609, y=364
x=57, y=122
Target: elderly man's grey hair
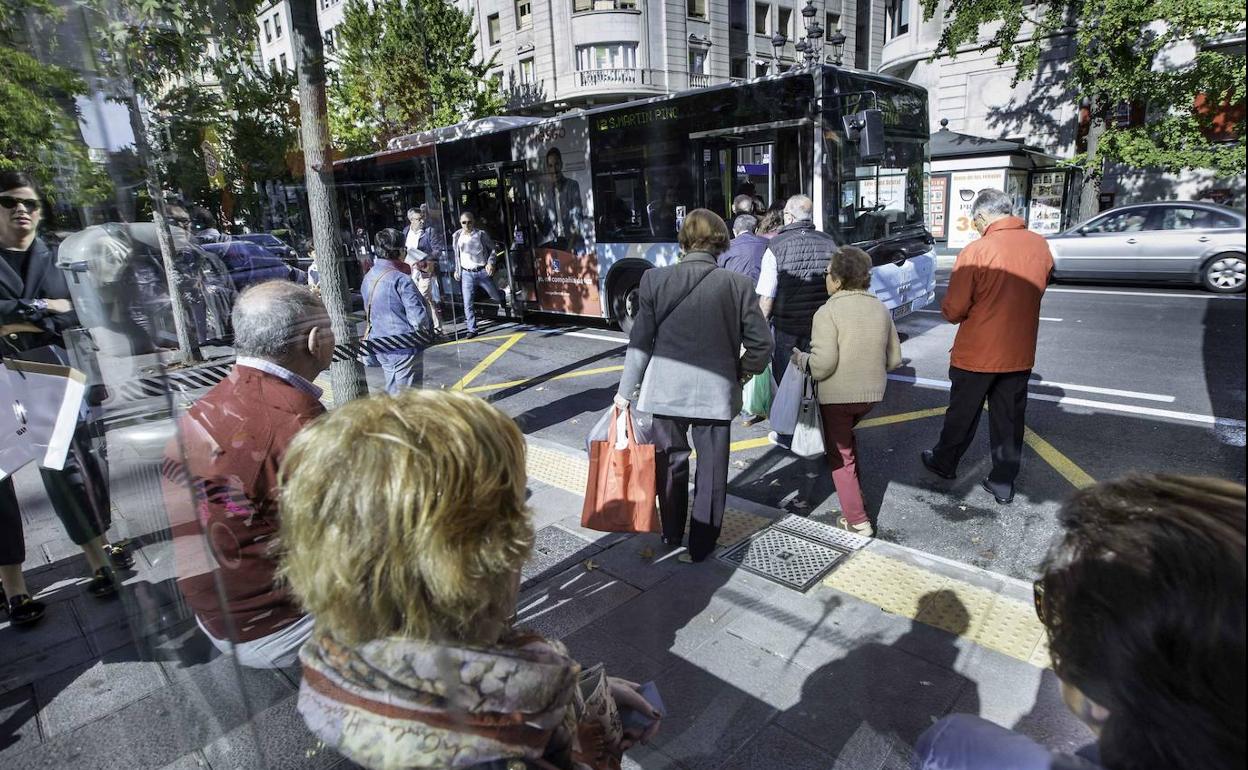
x=744, y=223
x=272, y=319
x=801, y=208
x=414, y=212
x=992, y=204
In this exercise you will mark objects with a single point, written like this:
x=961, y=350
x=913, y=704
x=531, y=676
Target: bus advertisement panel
x=559, y=188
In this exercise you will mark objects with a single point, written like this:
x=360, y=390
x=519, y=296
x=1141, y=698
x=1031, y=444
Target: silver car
x=1171, y=241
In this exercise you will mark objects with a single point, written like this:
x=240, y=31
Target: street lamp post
x=811, y=48
x=778, y=42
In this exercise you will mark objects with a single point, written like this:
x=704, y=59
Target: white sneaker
x=865, y=529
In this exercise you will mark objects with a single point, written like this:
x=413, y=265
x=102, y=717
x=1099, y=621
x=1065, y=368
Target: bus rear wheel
x=623, y=297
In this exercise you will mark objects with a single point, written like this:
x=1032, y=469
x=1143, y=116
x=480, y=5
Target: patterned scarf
x=404, y=703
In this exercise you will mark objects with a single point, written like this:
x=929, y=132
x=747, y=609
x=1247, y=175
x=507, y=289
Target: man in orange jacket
x=994, y=295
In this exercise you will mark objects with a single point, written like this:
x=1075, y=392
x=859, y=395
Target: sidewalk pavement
x=753, y=674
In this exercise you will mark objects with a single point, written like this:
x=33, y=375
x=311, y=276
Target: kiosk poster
x=964, y=186
x=937, y=206
x=1048, y=200
x=557, y=178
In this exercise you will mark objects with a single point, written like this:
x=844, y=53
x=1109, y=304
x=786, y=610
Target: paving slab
x=570, y=600
x=85, y=693
x=777, y=748
x=275, y=739
x=19, y=725
x=555, y=550
x=592, y=645
x=53, y=644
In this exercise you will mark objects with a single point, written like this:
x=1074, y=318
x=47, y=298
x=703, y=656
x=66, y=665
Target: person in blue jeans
x=396, y=315
x=1143, y=602
x=473, y=252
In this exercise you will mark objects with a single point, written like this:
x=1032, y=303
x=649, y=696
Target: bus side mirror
x=867, y=129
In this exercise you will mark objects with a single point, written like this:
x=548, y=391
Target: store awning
x=947, y=145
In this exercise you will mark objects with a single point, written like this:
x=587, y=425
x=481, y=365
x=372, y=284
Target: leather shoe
x=929, y=462
x=987, y=485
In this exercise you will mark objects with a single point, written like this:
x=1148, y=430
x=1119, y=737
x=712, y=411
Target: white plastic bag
x=602, y=428
x=808, y=433
x=788, y=401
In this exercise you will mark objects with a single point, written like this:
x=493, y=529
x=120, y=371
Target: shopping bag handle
x=629, y=433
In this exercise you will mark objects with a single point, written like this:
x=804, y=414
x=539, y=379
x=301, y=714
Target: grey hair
x=414, y=210
x=993, y=204
x=271, y=319
x=745, y=223
x=800, y=207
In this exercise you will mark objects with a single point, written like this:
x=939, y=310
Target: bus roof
x=463, y=130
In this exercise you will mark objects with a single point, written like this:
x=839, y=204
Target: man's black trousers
x=1006, y=396
x=710, y=484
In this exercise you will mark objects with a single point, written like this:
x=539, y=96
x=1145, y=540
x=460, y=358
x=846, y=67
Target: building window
x=762, y=69
x=329, y=40
x=524, y=14
x=273, y=66
x=832, y=21
x=862, y=35
x=697, y=61
x=282, y=61
x=277, y=26
x=580, y=6
x=495, y=28
x=762, y=19
x=696, y=9
x=526, y=71
x=897, y=13
x=606, y=56
x=268, y=32
x=739, y=68
x=784, y=21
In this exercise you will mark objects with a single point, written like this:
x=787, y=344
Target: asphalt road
x=1129, y=379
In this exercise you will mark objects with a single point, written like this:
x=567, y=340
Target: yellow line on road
x=1060, y=462
x=466, y=341
x=888, y=419
x=488, y=361
x=568, y=376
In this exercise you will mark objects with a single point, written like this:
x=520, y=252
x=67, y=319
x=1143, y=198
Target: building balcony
x=699, y=80
x=609, y=78
x=521, y=96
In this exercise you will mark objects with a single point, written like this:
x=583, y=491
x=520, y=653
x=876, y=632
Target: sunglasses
x=9, y=202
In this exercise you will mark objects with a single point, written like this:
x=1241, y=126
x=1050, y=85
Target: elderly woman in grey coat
x=685, y=366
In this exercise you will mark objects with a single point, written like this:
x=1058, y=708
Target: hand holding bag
x=619, y=494
x=808, y=432
x=756, y=398
x=788, y=401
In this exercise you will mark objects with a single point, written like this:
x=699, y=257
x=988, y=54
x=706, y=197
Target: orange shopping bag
x=619, y=495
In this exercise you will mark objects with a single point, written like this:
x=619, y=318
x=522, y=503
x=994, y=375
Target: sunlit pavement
x=934, y=617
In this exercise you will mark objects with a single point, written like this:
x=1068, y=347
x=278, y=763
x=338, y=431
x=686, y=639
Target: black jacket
x=43, y=280
x=802, y=255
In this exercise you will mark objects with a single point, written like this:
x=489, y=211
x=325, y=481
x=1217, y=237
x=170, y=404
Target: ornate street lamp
x=778, y=42
x=836, y=41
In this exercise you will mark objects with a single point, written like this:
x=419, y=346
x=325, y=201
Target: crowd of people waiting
x=395, y=584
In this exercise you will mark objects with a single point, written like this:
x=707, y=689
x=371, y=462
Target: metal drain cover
x=784, y=558
x=822, y=533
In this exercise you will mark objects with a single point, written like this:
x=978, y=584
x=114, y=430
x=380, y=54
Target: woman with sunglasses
x=34, y=311
x=1143, y=601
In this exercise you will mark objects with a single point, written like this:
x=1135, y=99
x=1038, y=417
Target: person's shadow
x=869, y=708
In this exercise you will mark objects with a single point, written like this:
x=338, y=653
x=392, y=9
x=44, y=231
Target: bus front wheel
x=624, y=301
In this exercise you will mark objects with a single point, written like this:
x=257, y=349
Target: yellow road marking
x=889, y=419
x=1060, y=462
x=448, y=343
x=488, y=361
x=567, y=376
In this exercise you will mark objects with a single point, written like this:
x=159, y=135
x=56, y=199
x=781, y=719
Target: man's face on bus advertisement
x=554, y=165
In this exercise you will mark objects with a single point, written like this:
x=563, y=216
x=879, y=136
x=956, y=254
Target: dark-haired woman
x=853, y=344
x=35, y=309
x=1143, y=602
x=685, y=366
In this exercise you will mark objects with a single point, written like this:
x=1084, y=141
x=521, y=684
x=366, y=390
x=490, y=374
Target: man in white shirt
x=473, y=252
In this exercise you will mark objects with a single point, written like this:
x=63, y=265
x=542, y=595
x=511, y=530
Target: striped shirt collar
x=282, y=373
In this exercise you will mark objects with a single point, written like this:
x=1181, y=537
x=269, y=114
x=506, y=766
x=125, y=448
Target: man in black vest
x=790, y=285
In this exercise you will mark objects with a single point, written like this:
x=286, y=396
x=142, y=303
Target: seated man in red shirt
x=221, y=470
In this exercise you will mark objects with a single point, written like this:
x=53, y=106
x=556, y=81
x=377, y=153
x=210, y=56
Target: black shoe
x=103, y=584
x=987, y=485
x=23, y=610
x=671, y=542
x=122, y=559
x=470, y=335
x=929, y=462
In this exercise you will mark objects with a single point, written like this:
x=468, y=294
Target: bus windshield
x=868, y=203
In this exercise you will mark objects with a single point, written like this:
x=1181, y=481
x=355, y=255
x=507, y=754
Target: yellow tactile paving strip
x=558, y=469
x=982, y=616
x=738, y=525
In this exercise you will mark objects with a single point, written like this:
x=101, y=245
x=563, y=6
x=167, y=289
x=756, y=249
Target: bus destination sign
x=644, y=117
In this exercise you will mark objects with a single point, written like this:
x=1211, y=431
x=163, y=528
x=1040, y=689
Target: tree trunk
x=346, y=376
x=1094, y=169
x=188, y=342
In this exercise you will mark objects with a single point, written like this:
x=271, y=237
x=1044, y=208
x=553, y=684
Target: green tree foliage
x=38, y=119
x=1122, y=54
x=404, y=66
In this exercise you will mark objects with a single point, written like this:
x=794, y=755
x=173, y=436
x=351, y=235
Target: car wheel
x=624, y=300
x=1224, y=273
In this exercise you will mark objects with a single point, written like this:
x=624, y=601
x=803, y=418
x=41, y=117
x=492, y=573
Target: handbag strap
x=688, y=294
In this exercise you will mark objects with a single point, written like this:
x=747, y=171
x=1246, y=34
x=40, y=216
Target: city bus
x=580, y=205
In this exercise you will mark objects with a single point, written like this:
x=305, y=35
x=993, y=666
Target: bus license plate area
x=902, y=311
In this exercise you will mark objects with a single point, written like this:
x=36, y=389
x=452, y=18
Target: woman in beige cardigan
x=852, y=345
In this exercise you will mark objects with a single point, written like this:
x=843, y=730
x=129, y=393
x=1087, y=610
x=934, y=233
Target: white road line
x=588, y=336
x=1042, y=318
x=1108, y=406
x=944, y=385
x=1162, y=295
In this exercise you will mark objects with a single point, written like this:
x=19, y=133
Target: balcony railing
x=699, y=80
x=630, y=76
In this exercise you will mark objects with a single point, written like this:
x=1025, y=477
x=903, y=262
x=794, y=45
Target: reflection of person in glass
x=563, y=207
x=35, y=310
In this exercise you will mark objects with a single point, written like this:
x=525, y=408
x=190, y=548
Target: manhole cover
x=784, y=558
x=554, y=550
x=822, y=533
